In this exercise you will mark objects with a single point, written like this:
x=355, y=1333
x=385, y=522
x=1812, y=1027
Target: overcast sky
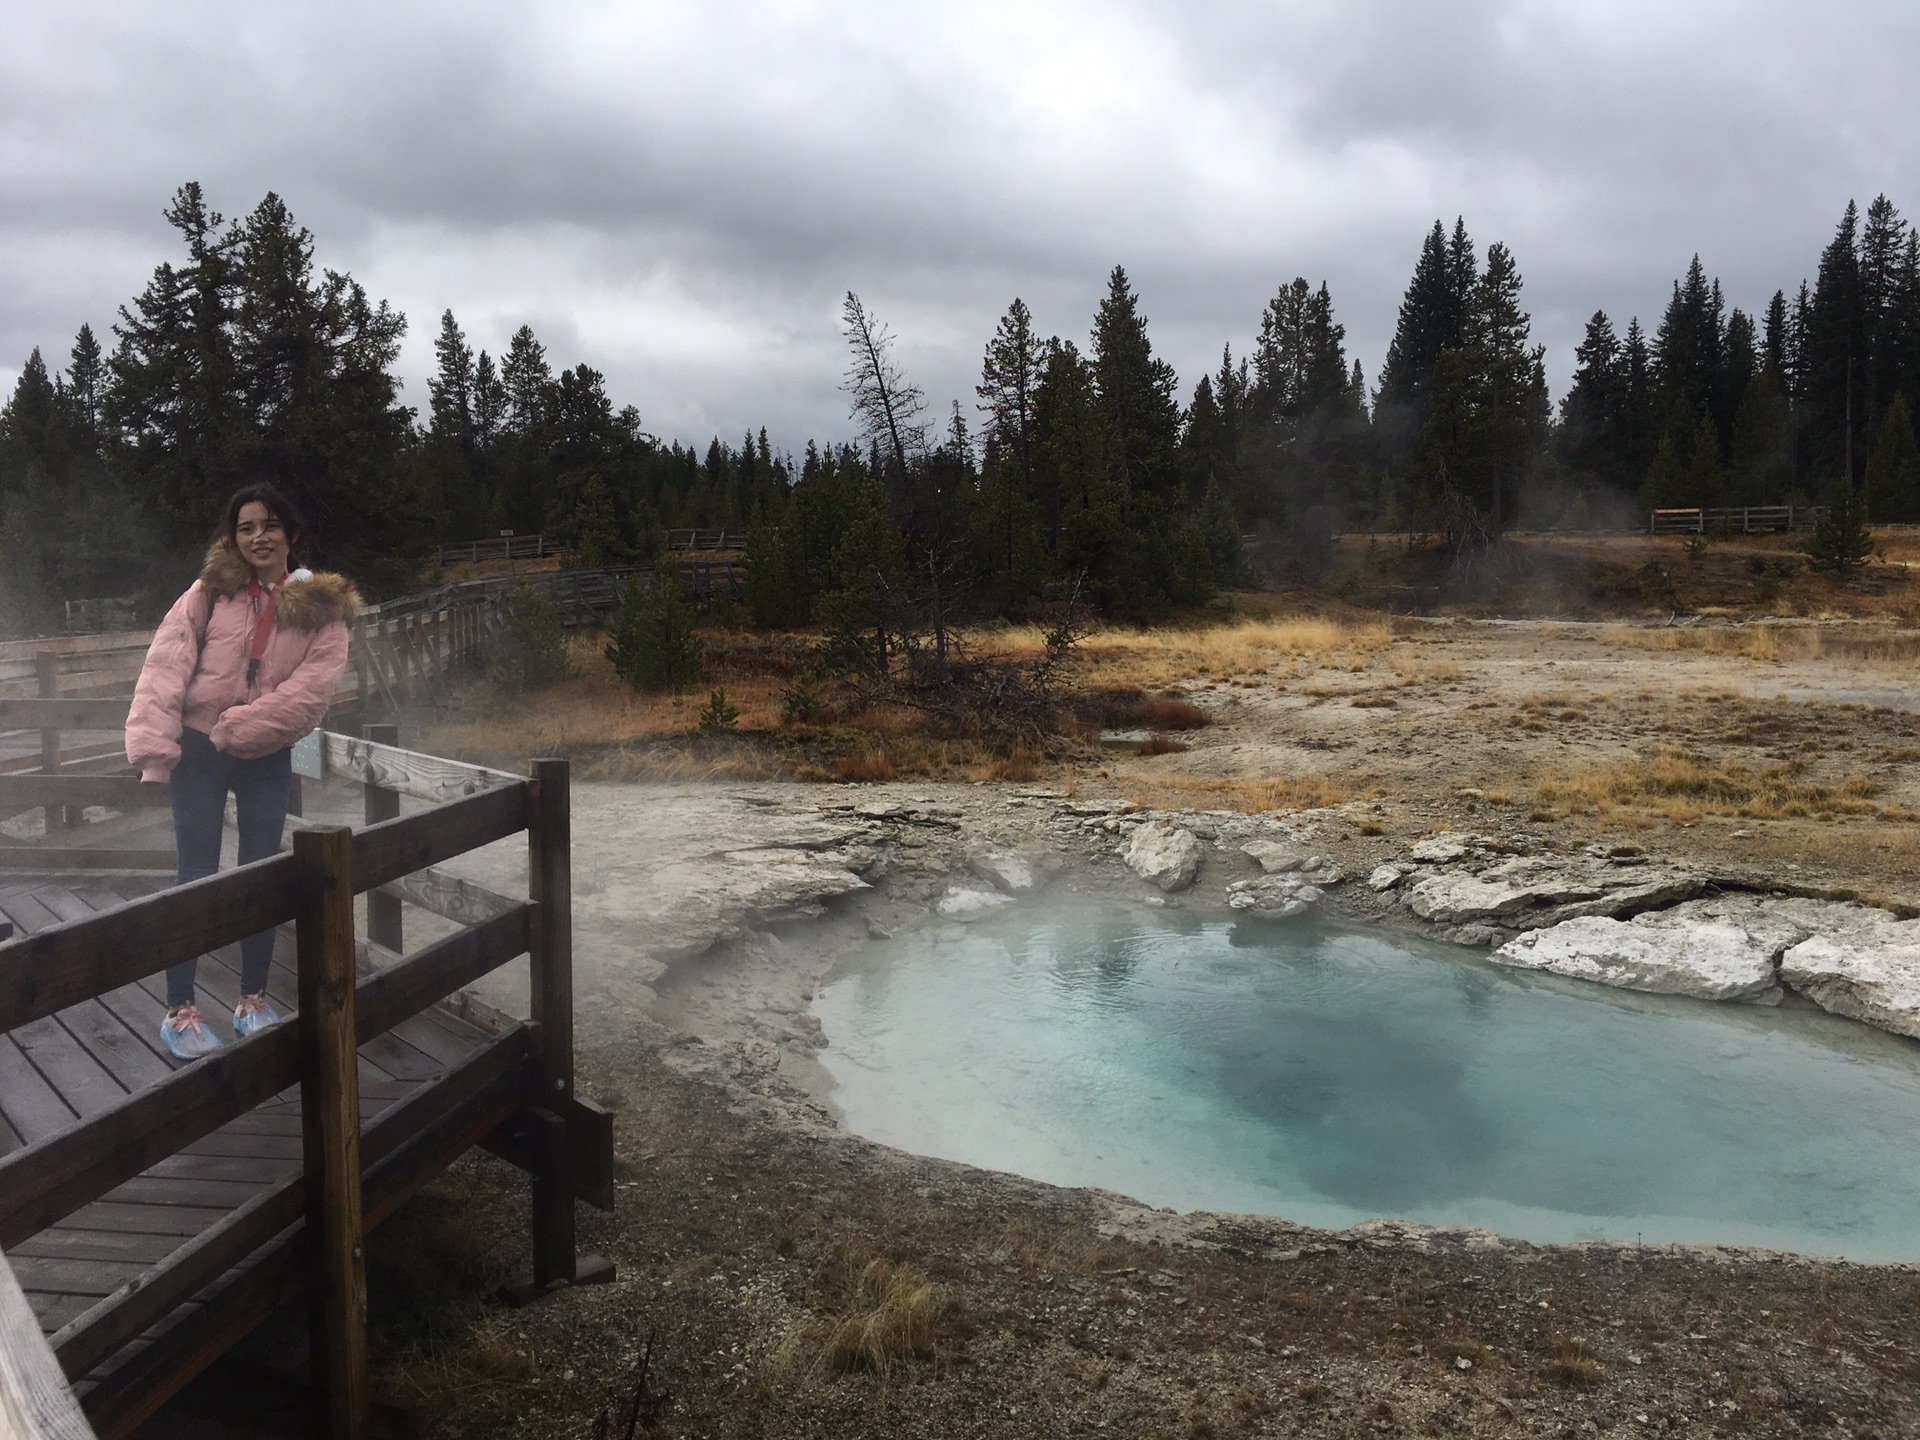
x=680, y=194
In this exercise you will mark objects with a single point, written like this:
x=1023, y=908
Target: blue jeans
x=200, y=784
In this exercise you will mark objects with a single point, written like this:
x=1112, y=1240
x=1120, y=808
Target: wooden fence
x=505, y=547
x=514, y=1093
x=536, y=547
x=1741, y=519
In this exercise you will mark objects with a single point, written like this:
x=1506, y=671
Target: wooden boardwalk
x=153, y=1212
x=89, y=1057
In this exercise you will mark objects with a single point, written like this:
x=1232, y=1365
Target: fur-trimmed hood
x=307, y=601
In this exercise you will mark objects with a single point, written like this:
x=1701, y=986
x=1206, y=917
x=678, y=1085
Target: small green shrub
x=651, y=641
x=718, y=715
x=803, y=704
x=530, y=652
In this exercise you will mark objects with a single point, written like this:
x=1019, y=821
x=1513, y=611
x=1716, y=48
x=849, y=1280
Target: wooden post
x=330, y=1129
x=383, y=911
x=46, y=666
x=361, y=671
x=550, y=886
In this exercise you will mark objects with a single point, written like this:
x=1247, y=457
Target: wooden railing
x=504, y=547
x=515, y=1094
x=681, y=540
x=1743, y=519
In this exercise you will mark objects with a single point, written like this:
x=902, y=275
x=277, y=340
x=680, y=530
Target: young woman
x=244, y=665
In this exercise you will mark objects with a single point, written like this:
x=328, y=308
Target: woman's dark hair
x=278, y=506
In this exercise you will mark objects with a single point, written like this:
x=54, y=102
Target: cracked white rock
x=1385, y=877
x=1274, y=857
x=1534, y=893
x=1164, y=854
x=964, y=904
x=1868, y=970
x=1439, y=849
x=1273, y=896
x=1703, y=959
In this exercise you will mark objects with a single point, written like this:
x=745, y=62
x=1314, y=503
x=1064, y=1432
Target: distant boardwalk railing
x=504, y=547
x=512, y=1091
x=1744, y=519
x=538, y=547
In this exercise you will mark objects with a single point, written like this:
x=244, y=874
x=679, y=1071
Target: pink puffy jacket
x=195, y=673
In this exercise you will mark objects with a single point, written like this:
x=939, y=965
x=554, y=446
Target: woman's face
x=263, y=541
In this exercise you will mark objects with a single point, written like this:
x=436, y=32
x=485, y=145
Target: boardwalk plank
x=180, y=1220
x=115, y=1044
x=30, y=1104
x=139, y=1247
x=72, y=1277
x=81, y=1080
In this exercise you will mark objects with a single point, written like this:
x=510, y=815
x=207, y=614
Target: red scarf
x=262, y=623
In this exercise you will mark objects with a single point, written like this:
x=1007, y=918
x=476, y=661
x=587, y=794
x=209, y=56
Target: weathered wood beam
x=385, y=852
x=425, y=777
x=65, y=964
x=80, y=857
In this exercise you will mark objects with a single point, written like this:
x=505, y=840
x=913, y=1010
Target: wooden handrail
x=65, y=964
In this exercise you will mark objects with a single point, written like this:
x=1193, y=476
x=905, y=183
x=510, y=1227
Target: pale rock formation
x=1165, y=854
x=964, y=904
x=1016, y=871
x=1385, y=877
x=1273, y=896
x=1703, y=959
x=1530, y=893
x=1441, y=849
x=1868, y=969
x=1275, y=858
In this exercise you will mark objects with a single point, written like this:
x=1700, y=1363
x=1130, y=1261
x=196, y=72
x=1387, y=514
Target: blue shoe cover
x=245, y=1025
x=189, y=1043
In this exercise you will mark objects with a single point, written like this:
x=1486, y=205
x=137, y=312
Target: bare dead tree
x=888, y=408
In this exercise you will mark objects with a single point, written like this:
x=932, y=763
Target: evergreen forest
x=1081, y=465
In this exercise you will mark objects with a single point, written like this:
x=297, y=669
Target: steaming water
x=1330, y=1077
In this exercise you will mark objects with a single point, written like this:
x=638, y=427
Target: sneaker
x=254, y=1012
x=186, y=1034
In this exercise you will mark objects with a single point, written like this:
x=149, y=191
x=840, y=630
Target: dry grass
x=1570, y=1362
x=595, y=708
x=1754, y=642
x=1249, y=797
x=1151, y=659
x=1161, y=743
x=876, y=1314
x=866, y=767
x=1685, y=788
x=1769, y=642
x=1410, y=670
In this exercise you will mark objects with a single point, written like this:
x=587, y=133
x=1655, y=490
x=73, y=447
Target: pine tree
x=1704, y=477
x=174, y=397
x=1432, y=320
x=530, y=650
x=1760, y=454
x=86, y=379
x=1009, y=392
x=1893, y=473
x=451, y=387
x=1840, y=542
x=1135, y=391
x=651, y=641
x=528, y=380
x=1834, y=359
x=1593, y=409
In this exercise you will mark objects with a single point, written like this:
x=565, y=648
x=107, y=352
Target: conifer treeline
x=241, y=360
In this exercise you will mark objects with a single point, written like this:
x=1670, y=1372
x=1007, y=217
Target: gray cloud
x=679, y=194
